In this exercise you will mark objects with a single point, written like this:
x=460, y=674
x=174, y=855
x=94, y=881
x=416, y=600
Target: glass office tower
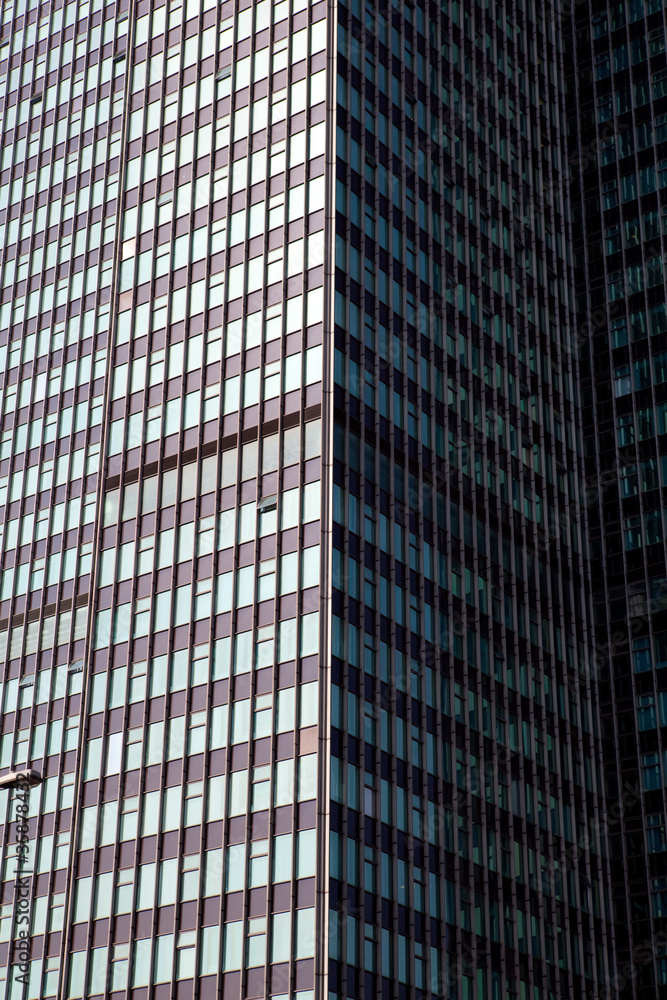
x=466, y=851
x=293, y=604
x=619, y=172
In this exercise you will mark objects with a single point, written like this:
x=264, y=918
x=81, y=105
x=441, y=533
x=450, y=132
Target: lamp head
x=16, y=779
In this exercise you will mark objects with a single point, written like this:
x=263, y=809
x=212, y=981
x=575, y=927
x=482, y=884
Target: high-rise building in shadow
x=617, y=83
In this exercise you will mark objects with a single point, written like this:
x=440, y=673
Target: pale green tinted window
x=305, y=933
x=82, y=899
x=305, y=854
x=146, y=887
x=308, y=696
x=282, y=858
x=209, y=953
x=235, y=867
x=164, y=953
x=98, y=971
x=233, y=946
x=281, y=927
x=168, y=882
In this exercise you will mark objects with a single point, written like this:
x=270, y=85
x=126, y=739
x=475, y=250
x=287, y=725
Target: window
x=194, y=803
x=266, y=586
x=622, y=382
x=619, y=333
x=656, y=838
x=629, y=187
x=189, y=877
x=629, y=483
x=620, y=54
x=602, y=66
x=607, y=151
x=261, y=784
x=256, y=942
x=645, y=135
x=658, y=319
x=600, y=25
x=645, y=423
x=633, y=533
x=646, y=717
x=262, y=715
x=612, y=239
x=163, y=957
x=660, y=651
x=638, y=50
x=651, y=225
x=120, y=955
x=625, y=142
x=258, y=874
x=280, y=937
x=632, y=232
x=659, y=80
x=647, y=180
x=626, y=430
x=659, y=896
x=660, y=368
x=615, y=286
x=649, y=471
x=659, y=593
x=638, y=325
x=605, y=112
x=653, y=527
x=185, y=954
x=129, y=818
x=651, y=775
x=624, y=100
x=653, y=272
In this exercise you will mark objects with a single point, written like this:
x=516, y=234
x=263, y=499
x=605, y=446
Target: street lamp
x=14, y=779
x=20, y=782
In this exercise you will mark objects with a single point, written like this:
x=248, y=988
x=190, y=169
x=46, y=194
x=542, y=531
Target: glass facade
x=293, y=606
x=618, y=152
x=162, y=199
x=467, y=859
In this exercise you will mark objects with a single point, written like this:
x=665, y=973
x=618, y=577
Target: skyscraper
x=460, y=632
x=619, y=173
x=293, y=594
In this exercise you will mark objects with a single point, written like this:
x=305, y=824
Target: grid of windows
x=617, y=79
x=464, y=773
x=162, y=194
